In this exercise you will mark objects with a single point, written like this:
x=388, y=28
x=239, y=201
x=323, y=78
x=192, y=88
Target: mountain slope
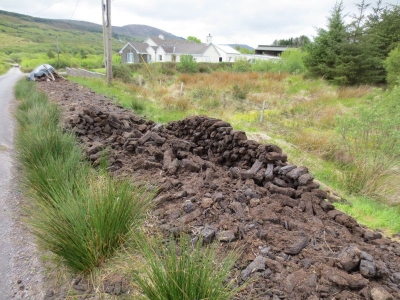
x=23, y=33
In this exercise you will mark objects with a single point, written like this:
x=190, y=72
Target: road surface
x=19, y=266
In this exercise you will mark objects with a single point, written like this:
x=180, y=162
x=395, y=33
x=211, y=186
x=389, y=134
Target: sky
x=251, y=22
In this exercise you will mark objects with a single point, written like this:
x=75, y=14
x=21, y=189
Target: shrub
x=239, y=92
x=187, y=64
x=241, y=65
x=372, y=139
x=260, y=65
x=181, y=271
x=168, y=68
x=292, y=61
x=392, y=66
x=122, y=72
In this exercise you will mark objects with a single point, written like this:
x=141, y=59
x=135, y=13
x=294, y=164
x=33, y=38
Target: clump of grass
x=176, y=103
x=81, y=215
x=136, y=104
x=23, y=88
x=182, y=271
x=353, y=92
x=86, y=226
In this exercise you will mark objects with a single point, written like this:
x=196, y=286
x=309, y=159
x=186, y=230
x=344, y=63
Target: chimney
x=161, y=36
x=209, y=39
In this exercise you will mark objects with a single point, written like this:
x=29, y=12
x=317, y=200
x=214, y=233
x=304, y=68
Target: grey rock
x=188, y=206
x=367, y=268
x=258, y=264
x=349, y=258
x=208, y=234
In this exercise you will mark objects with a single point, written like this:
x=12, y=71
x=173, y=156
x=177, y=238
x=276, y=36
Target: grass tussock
x=81, y=215
x=185, y=270
x=353, y=92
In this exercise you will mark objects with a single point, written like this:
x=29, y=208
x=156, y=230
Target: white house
x=227, y=53
x=158, y=49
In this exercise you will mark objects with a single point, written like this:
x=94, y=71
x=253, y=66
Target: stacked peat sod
x=285, y=214
x=211, y=139
x=267, y=165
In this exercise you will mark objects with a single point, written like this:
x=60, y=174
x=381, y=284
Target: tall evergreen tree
x=382, y=36
x=327, y=49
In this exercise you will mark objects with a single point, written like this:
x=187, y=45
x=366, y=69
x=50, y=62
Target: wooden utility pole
x=58, y=52
x=106, y=8
x=103, y=17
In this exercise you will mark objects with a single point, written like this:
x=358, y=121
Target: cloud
x=237, y=21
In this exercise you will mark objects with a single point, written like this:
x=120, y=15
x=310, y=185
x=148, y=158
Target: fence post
x=181, y=88
x=262, y=112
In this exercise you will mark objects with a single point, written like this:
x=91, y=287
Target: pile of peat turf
x=216, y=183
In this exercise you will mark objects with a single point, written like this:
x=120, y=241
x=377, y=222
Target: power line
x=47, y=7
x=77, y=2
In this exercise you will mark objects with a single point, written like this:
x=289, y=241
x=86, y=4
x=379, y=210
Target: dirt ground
x=216, y=183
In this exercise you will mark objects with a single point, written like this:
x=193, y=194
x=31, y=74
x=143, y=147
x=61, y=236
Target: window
x=149, y=57
x=160, y=58
x=220, y=59
x=129, y=57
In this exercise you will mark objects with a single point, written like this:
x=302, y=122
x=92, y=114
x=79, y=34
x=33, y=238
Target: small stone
x=254, y=202
x=226, y=236
x=258, y=264
x=265, y=250
x=379, y=293
x=208, y=234
x=188, y=206
x=206, y=202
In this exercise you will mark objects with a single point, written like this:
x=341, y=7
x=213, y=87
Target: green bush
x=292, y=61
x=261, y=65
x=240, y=92
x=181, y=271
x=392, y=66
x=187, y=64
x=372, y=140
x=122, y=72
x=168, y=68
x=241, y=65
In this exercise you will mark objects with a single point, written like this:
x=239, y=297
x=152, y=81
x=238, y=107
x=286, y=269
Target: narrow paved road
x=7, y=83
x=20, y=268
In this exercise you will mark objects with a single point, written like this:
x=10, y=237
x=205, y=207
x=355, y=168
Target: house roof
x=165, y=42
x=227, y=49
x=192, y=48
x=271, y=48
x=139, y=47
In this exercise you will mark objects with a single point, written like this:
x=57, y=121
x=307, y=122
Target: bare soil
x=216, y=183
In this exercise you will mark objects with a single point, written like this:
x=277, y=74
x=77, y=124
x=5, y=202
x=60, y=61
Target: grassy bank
x=301, y=116
x=75, y=212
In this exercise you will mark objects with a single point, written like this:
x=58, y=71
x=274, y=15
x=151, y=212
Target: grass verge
x=81, y=215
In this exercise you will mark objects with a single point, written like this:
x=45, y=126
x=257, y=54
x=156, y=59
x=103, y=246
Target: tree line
x=364, y=50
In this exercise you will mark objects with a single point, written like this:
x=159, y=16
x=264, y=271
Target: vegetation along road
x=17, y=263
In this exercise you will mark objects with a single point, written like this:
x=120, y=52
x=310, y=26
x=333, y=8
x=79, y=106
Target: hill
x=241, y=46
x=23, y=33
